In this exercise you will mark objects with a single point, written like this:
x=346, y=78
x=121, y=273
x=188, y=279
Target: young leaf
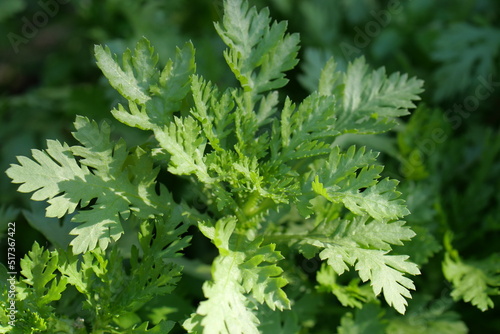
x=264, y=281
x=153, y=94
x=352, y=181
x=351, y=295
x=214, y=112
x=473, y=281
x=112, y=292
x=258, y=52
x=227, y=309
x=124, y=79
x=35, y=295
x=369, y=102
x=305, y=131
x=39, y=268
x=244, y=267
x=183, y=141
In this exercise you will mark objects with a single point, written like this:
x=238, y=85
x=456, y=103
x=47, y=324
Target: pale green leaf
x=350, y=179
x=306, y=131
x=122, y=79
x=259, y=52
x=213, y=110
x=264, y=281
x=153, y=94
x=44, y=176
x=363, y=245
x=183, y=141
x=243, y=267
x=119, y=182
x=175, y=78
x=385, y=272
x=226, y=310
x=369, y=101
x=473, y=281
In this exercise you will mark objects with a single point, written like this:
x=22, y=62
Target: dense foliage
x=251, y=180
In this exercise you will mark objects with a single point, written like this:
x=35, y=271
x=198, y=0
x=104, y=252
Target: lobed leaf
x=123, y=79
x=38, y=268
x=362, y=244
x=183, y=141
x=350, y=179
x=256, y=44
x=153, y=95
x=369, y=102
x=305, y=131
x=104, y=172
x=243, y=267
x=473, y=281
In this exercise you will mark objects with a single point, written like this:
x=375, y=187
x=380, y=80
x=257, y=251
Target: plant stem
x=252, y=208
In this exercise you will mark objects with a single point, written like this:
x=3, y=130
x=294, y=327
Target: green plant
x=273, y=187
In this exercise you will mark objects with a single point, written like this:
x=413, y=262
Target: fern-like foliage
x=369, y=101
x=153, y=94
x=36, y=293
x=109, y=293
x=253, y=158
x=473, y=281
x=259, y=52
x=351, y=172
x=243, y=268
x=68, y=177
x=364, y=244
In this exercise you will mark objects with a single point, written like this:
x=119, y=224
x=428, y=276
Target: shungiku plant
x=273, y=182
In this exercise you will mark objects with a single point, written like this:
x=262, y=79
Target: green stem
x=251, y=208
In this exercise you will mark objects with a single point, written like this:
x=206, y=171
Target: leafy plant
x=265, y=182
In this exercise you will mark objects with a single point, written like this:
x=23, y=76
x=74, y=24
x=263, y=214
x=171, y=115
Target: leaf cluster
x=253, y=158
